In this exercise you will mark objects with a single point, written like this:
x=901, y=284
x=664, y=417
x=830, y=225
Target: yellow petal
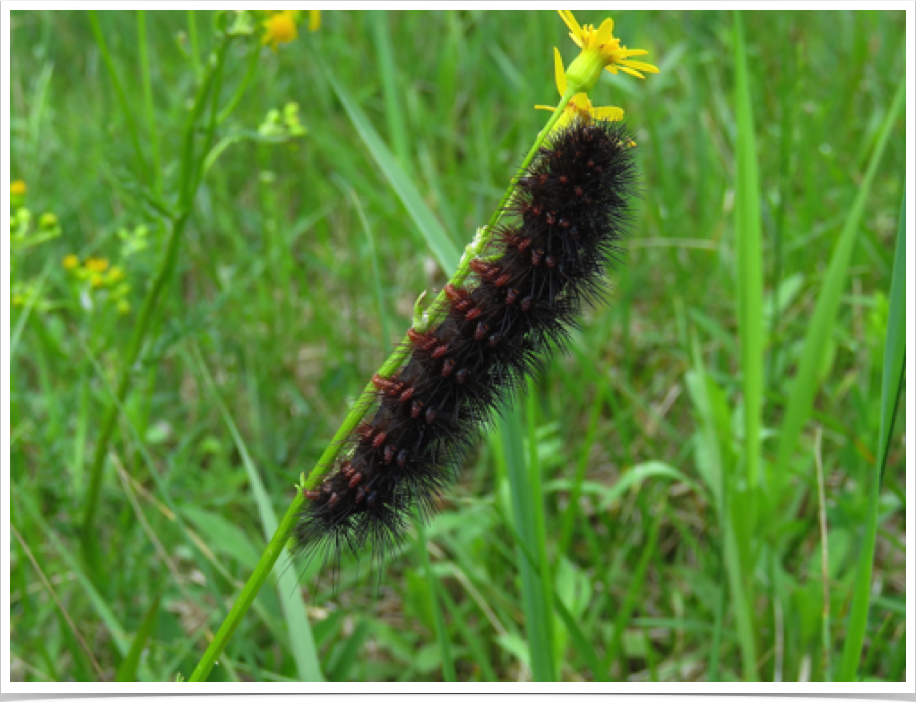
x=314, y=20
x=647, y=67
x=611, y=68
x=581, y=101
x=559, y=71
x=604, y=31
x=570, y=21
x=626, y=53
x=611, y=114
x=575, y=38
x=545, y=107
x=632, y=72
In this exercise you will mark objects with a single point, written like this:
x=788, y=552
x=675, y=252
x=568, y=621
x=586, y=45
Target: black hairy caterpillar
x=568, y=213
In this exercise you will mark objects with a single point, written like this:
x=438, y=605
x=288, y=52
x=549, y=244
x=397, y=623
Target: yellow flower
x=97, y=280
x=600, y=50
x=280, y=28
x=580, y=106
x=17, y=187
x=96, y=265
x=70, y=262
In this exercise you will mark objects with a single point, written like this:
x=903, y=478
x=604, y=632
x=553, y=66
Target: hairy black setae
x=566, y=217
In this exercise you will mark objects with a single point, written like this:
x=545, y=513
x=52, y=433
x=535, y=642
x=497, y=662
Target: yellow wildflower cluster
x=26, y=233
x=98, y=275
x=580, y=106
x=282, y=26
x=600, y=50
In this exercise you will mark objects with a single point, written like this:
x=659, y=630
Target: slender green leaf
x=444, y=249
x=95, y=599
x=395, y=116
x=127, y=671
x=891, y=388
x=749, y=277
x=821, y=325
x=610, y=495
x=536, y=603
x=445, y=648
x=300, y=633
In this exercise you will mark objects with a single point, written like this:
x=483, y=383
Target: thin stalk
x=249, y=592
x=192, y=36
x=433, y=314
x=150, y=303
x=166, y=266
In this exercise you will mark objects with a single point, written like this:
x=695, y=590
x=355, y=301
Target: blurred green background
x=298, y=270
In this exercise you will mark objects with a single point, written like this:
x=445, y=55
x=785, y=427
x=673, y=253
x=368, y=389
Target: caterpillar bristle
x=566, y=219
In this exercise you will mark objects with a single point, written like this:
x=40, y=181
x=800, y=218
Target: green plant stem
x=147, y=310
x=434, y=313
x=249, y=592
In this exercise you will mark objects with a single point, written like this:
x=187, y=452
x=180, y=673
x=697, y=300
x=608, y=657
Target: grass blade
x=49, y=588
x=397, y=126
x=891, y=388
x=750, y=257
x=96, y=600
x=615, y=649
x=741, y=503
x=445, y=649
x=821, y=327
x=301, y=640
x=583, y=646
x=127, y=671
x=535, y=600
x=442, y=247
x=709, y=402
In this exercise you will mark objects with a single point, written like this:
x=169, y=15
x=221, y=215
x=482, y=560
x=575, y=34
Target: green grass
x=650, y=512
